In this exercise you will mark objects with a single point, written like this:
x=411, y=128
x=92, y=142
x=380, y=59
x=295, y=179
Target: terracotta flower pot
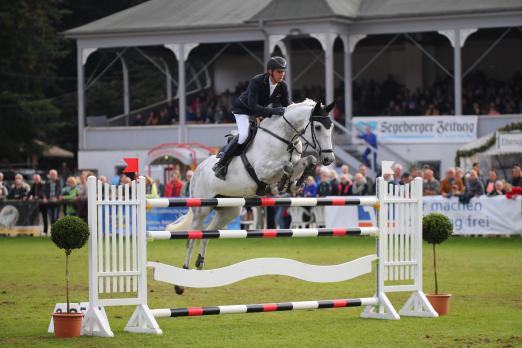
x=67, y=324
x=440, y=302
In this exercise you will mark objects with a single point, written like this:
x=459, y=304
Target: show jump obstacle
x=118, y=255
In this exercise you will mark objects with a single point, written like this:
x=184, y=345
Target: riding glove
x=278, y=111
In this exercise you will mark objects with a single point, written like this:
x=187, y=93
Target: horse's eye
x=318, y=128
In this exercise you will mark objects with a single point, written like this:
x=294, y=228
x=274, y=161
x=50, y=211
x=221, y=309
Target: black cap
x=276, y=63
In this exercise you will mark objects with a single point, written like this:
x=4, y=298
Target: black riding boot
x=221, y=167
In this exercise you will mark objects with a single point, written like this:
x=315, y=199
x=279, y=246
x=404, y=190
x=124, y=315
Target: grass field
x=483, y=275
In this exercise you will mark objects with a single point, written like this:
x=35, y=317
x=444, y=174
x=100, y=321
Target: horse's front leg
x=302, y=170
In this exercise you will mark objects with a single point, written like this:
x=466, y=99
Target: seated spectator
x=498, y=189
x=516, y=179
x=174, y=186
x=359, y=186
x=153, y=119
x=344, y=185
x=310, y=188
x=474, y=187
x=451, y=185
x=18, y=190
x=489, y=184
x=69, y=194
x=493, y=110
x=430, y=185
x=138, y=120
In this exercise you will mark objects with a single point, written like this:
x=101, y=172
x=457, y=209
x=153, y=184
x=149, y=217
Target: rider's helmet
x=276, y=63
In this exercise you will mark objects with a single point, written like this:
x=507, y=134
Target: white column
x=327, y=40
x=81, y=58
x=182, y=51
x=288, y=56
x=126, y=98
x=81, y=100
x=457, y=78
x=182, y=98
x=168, y=83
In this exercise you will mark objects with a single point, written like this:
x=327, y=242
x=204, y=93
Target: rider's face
x=276, y=75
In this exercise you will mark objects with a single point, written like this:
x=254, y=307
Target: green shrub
x=68, y=233
x=436, y=228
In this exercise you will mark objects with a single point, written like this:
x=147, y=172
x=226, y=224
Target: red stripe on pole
x=267, y=202
x=195, y=234
x=193, y=202
x=338, y=201
x=339, y=231
x=269, y=233
x=269, y=307
x=193, y=311
x=340, y=303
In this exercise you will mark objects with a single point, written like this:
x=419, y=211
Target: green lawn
x=484, y=276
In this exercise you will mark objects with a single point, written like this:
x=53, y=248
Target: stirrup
x=220, y=170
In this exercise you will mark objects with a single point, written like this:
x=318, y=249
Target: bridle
x=299, y=134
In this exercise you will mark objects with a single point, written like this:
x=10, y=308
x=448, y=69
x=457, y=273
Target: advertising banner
x=19, y=218
x=483, y=215
x=421, y=129
x=159, y=218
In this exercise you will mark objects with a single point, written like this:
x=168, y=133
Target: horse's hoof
x=179, y=289
x=200, y=261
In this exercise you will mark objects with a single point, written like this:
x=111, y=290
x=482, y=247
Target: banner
x=483, y=215
x=418, y=129
x=159, y=218
x=19, y=218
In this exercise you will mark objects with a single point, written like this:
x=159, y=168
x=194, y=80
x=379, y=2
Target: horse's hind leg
x=220, y=221
x=197, y=223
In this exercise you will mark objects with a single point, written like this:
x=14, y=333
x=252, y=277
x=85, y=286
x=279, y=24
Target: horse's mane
x=306, y=102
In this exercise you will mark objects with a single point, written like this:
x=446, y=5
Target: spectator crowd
x=481, y=95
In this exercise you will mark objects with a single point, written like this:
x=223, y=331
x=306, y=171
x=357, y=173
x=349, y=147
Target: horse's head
x=320, y=131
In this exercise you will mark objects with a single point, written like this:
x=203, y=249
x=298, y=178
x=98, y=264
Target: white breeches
x=243, y=124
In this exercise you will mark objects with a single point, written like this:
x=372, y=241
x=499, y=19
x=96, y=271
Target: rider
x=266, y=95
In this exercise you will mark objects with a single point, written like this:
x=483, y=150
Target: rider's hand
x=278, y=111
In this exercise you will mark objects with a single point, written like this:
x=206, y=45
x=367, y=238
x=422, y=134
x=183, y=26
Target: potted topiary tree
x=68, y=233
x=436, y=228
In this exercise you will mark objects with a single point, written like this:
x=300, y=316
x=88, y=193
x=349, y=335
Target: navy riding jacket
x=254, y=100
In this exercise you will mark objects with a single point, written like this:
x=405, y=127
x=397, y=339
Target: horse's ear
x=317, y=111
x=329, y=107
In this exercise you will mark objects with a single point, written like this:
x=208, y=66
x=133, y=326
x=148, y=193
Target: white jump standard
x=118, y=255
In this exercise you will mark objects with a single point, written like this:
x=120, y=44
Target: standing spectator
x=334, y=183
x=430, y=185
x=161, y=188
x=82, y=185
x=151, y=190
x=66, y=172
x=323, y=189
x=371, y=140
x=498, y=190
x=345, y=170
x=53, y=189
x=37, y=193
x=371, y=183
x=397, y=174
x=459, y=174
x=489, y=185
x=310, y=188
x=3, y=188
x=516, y=179
x=474, y=187
x=174, y=186
x=344, y=185
x=185, y=191
x=69, y=194
x=477, y=169
x=359, y=186
x=26, y=186
x=451, y=185
x=18, y=190
x=405, y=178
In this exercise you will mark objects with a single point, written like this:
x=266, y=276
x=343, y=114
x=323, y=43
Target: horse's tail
x=182, y=223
